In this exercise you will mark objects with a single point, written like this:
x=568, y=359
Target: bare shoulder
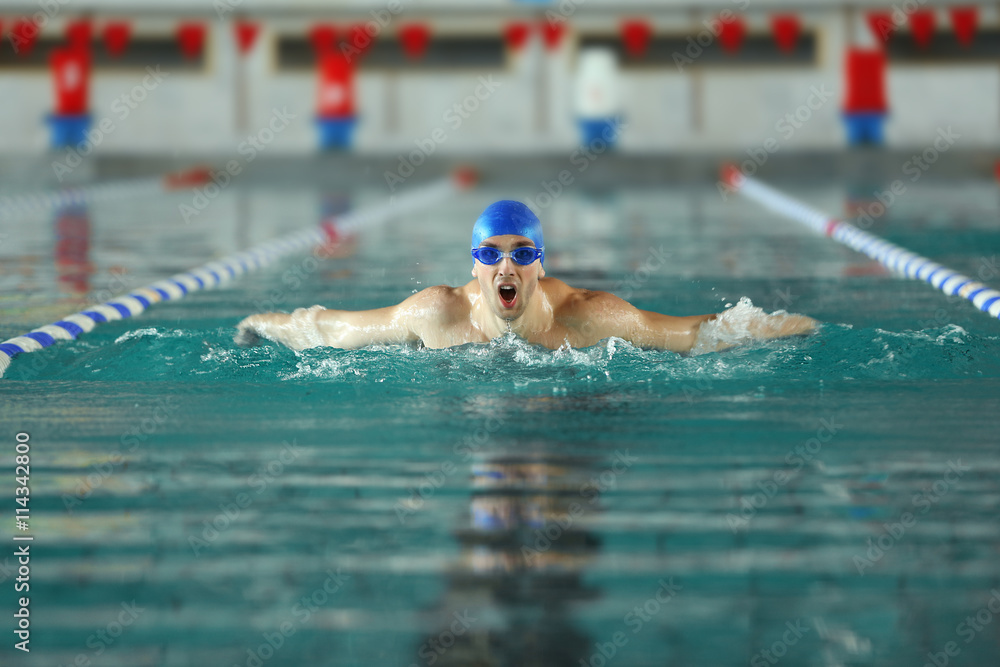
x=575, y=302
x=440, y=303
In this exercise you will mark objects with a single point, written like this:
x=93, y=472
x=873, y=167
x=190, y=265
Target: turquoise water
x=506, y=504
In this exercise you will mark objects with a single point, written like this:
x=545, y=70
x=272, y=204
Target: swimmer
x=510, y=293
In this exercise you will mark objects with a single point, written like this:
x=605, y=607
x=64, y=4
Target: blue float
x=68, y=129
x=336, y=133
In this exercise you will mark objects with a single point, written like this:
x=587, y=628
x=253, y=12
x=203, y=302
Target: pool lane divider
x=893, y=257
x=223, y=270
x=14, y=206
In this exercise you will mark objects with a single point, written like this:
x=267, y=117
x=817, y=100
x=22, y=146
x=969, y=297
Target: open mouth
x=508, y=295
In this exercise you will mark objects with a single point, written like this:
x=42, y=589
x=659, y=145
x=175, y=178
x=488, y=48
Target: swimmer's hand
x=246, y=336
x=745, y=323
x=781, y=325
x=319, y=327
x=298, y=330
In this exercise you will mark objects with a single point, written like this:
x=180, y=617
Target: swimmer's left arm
x=680, y=334
x=599, y=315
x=608, y=315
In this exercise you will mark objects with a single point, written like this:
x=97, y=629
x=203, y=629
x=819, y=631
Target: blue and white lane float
x=223, y=270
x=16, y=206
x=890, y=255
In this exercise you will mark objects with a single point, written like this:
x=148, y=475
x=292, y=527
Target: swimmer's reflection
x=519, y=571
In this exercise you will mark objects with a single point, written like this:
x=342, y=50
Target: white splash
x=740, y=324
x=137, y=333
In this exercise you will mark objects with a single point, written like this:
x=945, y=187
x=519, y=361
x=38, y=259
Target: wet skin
x=504, y=296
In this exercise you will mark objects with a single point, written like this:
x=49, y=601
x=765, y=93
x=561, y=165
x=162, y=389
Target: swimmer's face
x=507, y=286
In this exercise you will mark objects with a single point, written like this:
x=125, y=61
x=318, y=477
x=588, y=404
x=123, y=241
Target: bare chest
x=556, y=336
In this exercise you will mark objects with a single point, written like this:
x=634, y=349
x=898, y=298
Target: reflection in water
x=520, y=569
x=72, y=249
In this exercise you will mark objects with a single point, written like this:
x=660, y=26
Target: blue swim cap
x=507, y=217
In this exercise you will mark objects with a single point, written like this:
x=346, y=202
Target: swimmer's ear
x=541, y=271
x=474, y=270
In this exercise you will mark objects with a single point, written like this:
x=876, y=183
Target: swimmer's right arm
x=347, y=329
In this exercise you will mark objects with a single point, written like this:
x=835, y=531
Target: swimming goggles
x=524, y=255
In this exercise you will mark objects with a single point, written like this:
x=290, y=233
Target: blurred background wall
x=498, y=76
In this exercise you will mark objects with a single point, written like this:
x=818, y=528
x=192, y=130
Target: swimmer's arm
x=608, y=315
x=680, y=334
x=347, y=329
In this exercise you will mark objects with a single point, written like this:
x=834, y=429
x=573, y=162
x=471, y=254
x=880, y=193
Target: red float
x=964, y=20
x=246, y=34
x=191, y=37
x=415, y=37
x=516, y=35
x=23, y=35
x=635, y=36
x=323, y=38
x=552, y=34
x=865, y=81
x=922, y=27
x=731, y=33
x=336, y=86
x=79, y=34
x=71, y=76
x=116, y=37
x=786, y=29
x=882, y=25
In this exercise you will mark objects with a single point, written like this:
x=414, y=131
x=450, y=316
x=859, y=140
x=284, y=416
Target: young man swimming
x=510, y=293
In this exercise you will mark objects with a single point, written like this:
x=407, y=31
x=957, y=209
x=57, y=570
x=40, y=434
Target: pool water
x=825, y=500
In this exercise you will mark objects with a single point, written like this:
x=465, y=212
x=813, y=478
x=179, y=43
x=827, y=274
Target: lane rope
x=220, y=271
x=895, y=258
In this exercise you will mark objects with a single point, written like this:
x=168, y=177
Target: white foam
x=736, y=326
